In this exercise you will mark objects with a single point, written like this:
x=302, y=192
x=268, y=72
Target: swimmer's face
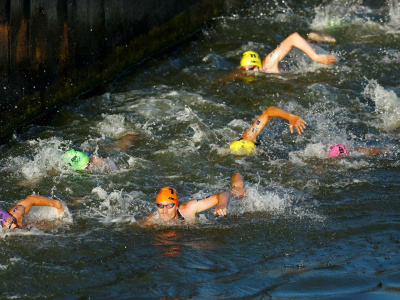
x=95, y=162
x=167, y=211
x=10, y=223
x=250, y=68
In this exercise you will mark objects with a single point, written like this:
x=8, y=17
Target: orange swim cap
x=167, y=194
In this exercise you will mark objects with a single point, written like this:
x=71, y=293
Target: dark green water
x=311, y=227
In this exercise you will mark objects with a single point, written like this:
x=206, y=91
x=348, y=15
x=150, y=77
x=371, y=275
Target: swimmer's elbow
x=294, y=35
x=269, y=111
x=59, y=206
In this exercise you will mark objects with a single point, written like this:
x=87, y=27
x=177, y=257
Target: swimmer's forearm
x=223, y=200
x=259, y=124
x=276, y=112
x=237, y=180
x=300, y=43
x=37, y=200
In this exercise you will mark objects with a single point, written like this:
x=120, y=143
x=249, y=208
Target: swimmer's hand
x=296, y=122
x=220, y=210
x=324, y=59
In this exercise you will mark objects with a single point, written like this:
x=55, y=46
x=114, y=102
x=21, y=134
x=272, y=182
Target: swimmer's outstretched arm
x=125, y=142
x=294, y=40
x=236, y=74
x=370, y=150
x=19, y=210
x=190, y=208
x=37, y=200
x=272, y=111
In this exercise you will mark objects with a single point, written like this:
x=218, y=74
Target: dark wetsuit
x=180, y=216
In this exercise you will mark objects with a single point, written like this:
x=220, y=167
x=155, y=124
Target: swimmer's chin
x=165, y=219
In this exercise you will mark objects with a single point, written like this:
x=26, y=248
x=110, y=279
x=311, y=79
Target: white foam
x=47, y=155
x=116, y=206
x=394, y=14
x=337, y=13
x=259, y=200
x=387, y=104
x=112, y=125
x=48, y=213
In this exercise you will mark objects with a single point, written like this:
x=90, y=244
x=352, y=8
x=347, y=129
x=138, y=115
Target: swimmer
x=339, y=150
x=79, y=160
x=251, y=61
x=246, y=145
x=13, y=217
x=169, y=209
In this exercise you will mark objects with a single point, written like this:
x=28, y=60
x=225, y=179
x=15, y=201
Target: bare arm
x=20, y=209
x=370, y=150
x=234, y=75
x=271, y=61
x=223, y=200
x=125, y=142
x=37, y=200
x=190, y=208
x=272, y=111
x=237, y=186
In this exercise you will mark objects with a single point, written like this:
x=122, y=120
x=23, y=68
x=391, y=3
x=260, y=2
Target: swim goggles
x=169, y=205
x=12, y=222
x=248, y=68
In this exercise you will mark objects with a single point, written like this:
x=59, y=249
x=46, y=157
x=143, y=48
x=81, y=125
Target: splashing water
x=112, y=125
x=387, y=104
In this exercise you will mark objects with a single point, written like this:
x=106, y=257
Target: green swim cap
x=76, y=159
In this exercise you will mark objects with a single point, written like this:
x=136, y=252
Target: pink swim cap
x=337, y=150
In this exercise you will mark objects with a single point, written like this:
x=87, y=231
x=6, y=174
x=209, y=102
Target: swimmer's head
x=250, y=58
x=76, y=159
x=167, y=194
x=243, y=147
x=337, y=150
x=3, y=216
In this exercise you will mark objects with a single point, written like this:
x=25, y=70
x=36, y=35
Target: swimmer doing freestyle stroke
x=247, y=143
x=13, y=218
x=79, y=160
x=340, y=149
x=169, y=209
x=251, y=61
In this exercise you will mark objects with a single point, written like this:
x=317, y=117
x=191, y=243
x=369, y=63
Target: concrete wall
x=53, y=50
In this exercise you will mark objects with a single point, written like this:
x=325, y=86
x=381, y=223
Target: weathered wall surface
x=52, y=50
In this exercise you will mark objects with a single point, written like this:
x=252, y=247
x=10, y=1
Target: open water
x=311, y=227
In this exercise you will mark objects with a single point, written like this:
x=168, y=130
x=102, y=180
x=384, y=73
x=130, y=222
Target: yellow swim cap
x=250, y=58
x=243, y=147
